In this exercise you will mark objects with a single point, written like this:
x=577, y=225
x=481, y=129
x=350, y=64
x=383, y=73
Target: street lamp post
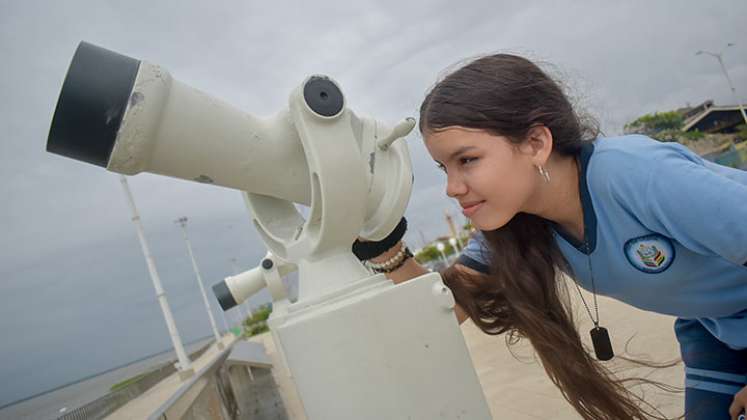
x=455, y=244
x=440, y=247
x=225, y=321
x=461, y=224
x=185, y=366
x=182, y=221
x=717, y=56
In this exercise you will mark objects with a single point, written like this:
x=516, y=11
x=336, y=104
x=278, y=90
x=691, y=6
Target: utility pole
x=185, y=366
x=450, y=223
x=717, y=56
x=182, y=221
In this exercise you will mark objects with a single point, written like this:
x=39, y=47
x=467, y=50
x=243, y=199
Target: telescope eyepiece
x=323, y=96
x=224, y=296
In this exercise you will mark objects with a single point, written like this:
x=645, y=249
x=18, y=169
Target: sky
x=75, y=295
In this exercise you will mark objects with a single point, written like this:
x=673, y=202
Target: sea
x=55, y=402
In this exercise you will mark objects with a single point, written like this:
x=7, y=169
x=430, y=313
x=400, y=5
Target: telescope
x=357, y=345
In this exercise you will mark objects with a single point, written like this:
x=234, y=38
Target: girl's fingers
x=737, y=408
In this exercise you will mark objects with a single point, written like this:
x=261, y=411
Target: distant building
x=709, y=118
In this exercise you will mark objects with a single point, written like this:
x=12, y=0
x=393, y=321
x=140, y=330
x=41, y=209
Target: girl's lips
x=469, y=211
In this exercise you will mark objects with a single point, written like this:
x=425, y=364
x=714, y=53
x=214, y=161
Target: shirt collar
x=590, y=219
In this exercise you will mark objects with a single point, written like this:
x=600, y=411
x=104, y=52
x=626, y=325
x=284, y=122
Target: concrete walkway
x=144, y=405
x=520, y=390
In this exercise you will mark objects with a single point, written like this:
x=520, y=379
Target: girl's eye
x=466, y=160
x=441, y=167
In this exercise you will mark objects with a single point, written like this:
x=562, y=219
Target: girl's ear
x=538, y=145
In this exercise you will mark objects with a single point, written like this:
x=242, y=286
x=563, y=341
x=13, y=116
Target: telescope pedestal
x=381, y=351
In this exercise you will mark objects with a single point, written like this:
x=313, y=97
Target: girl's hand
x=738, y=407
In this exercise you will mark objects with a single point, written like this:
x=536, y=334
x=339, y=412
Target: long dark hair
x=523, y=295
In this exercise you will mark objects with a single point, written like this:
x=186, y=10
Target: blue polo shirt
x=667, y=232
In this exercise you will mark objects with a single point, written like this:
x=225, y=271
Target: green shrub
x=127, y=382
x=693, y=135
x=741, y=133
x=257, y=323
x=656, y=123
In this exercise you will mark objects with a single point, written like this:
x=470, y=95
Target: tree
x=257, y=323
x=658, y=122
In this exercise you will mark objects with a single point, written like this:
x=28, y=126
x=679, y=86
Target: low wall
x=226, y=391
x=232, y=393
x=220, y=390
x=257, y=393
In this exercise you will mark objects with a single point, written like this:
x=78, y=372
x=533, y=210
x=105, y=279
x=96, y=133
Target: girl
x=648, y=223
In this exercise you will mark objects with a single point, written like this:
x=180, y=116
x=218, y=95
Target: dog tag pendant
x=602, y=345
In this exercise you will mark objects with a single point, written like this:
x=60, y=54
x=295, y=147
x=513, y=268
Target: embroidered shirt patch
x=650, y=254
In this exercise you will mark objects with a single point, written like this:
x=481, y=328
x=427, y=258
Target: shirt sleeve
x=685, y=199
x=476, y=254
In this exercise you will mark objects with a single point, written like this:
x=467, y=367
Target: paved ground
x=519, y=389
x=142, y=406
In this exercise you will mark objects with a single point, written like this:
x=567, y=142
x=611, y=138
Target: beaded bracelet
x=393, y=263
x=408, y=255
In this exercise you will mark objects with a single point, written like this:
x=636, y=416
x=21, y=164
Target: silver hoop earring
x=544, y=173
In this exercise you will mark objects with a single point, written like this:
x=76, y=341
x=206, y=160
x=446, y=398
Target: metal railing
x=102, y=407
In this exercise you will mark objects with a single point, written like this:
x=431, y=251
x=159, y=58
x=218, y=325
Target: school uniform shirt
x=666, y=232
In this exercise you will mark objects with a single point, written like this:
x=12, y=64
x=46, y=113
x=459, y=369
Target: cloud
x=66, y=227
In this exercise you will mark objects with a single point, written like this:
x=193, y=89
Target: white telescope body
x=131, y=116
x=357, y=345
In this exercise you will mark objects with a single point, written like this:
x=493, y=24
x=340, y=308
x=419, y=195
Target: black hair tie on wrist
x=368, y=250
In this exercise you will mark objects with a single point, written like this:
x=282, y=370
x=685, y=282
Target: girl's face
x=491, y=178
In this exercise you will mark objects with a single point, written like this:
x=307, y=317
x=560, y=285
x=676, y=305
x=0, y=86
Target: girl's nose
x=455, y=187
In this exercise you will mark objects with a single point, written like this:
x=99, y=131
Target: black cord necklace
x=600, y=338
